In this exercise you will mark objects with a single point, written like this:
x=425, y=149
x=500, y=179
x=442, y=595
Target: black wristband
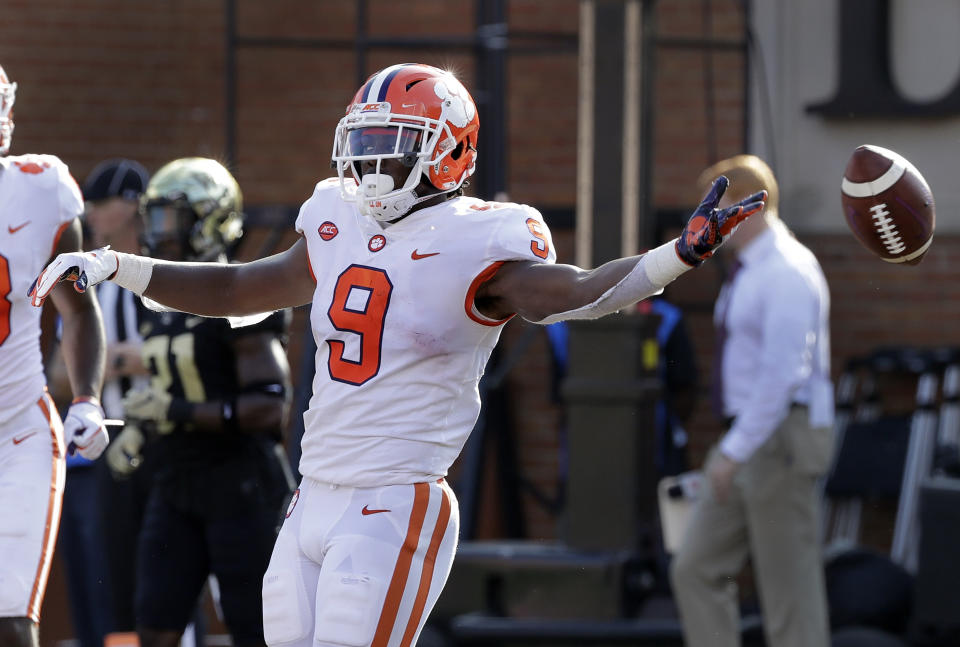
x=180, y=410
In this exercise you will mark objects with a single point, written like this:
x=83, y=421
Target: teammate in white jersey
x=410, y=284
x=39, y=205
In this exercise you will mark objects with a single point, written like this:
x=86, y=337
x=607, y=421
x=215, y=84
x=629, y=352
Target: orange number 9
x=539, y=246
x=363, y=318
x=5, y=302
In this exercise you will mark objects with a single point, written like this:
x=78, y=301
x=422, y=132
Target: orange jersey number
x=539, y=246
x=360, y=301
x=4, y=299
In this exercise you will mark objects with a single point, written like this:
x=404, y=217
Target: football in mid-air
x=888, y=205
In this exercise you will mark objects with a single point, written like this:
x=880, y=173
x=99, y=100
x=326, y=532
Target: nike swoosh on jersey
x=17, y=441
x=415, y=256
x=367, y=511
x=14, y=230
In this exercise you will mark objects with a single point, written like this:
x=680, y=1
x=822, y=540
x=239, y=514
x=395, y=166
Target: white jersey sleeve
x=38, y=199
x=71, y=200
x=522, y=235
x=322, y=187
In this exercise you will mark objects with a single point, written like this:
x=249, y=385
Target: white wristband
x=133, y=272
x=663, y=264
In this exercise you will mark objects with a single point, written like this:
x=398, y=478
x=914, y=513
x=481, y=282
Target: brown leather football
x=888, y=205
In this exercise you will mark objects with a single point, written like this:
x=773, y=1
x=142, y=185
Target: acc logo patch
x=376, y=243
x=327, y=230
x=293, y=502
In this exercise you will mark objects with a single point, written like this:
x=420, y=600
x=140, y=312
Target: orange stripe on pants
x=429, y=561
x=398, y=582
x=57, y=477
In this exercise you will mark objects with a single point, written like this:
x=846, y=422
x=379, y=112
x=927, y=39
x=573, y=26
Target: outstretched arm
x=537, y=290
x=209, y=289
x=83, y=347
x=216, y=290
x=83, y=343
x=549, y=293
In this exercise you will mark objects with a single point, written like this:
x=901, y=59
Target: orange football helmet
x=418, y=114
x=8, y=92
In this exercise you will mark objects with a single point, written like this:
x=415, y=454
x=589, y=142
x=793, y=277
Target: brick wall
x=102, y=78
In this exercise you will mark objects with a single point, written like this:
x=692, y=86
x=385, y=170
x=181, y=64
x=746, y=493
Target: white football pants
x=32, y=475
x=359, y=567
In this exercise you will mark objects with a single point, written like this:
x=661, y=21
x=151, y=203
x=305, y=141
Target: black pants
x=123, y=504
x=227, y=529
x=81, y=546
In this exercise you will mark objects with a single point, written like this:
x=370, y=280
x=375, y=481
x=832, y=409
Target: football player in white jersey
x=410, y=283
x=39, y=205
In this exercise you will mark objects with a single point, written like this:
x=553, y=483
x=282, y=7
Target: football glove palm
x=709, y=226
x=83, y=268
x=83, y=429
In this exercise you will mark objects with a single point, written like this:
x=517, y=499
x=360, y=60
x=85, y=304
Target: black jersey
x=192, y=358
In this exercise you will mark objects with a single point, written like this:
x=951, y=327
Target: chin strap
x=416, y=200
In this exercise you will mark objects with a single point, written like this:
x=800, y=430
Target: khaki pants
x=771, y=516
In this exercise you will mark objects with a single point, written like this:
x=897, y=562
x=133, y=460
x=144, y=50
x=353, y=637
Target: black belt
x=729, y=420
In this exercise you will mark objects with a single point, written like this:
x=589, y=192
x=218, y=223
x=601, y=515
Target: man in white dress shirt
x=775, y=398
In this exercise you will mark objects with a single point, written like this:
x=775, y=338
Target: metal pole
x=230, y=83
x=584, y=228
x=632, y=142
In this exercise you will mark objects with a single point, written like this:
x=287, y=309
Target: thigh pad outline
x=348, y=608
x=286, y=610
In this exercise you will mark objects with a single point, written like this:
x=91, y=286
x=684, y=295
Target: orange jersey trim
x=429, y=562
x=57, y=478
x=468, y=303
x=56, y=236
x=391, y=606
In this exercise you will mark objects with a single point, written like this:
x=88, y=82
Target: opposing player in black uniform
x=214, y=411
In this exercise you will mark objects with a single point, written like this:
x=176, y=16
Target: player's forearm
x=214, y=289
x=199, y=288
x=84, y=350
x=246, y=413
x=623, y=282
x=124, y=359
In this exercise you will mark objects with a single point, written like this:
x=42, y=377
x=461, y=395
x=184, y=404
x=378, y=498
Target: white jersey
x=38, y=198
x=400, y=345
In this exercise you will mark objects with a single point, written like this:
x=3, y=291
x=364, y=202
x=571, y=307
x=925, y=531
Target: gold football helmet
x=192, y=210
